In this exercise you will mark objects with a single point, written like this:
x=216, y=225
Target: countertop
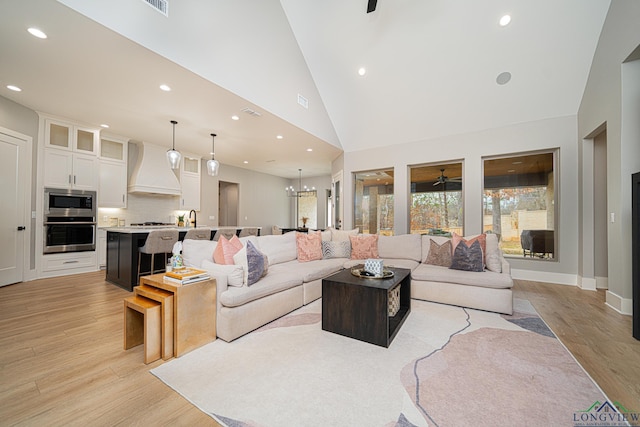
x=146, y=228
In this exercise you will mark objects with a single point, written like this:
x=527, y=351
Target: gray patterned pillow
x=336, y=249
x=439, y=254
x=467, y=258
x=256, y=264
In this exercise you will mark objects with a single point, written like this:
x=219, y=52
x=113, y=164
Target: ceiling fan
x=444, y=179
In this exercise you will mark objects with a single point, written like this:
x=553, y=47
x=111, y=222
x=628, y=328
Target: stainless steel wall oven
x=69, y=220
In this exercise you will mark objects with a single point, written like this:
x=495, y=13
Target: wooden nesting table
x=188, y=313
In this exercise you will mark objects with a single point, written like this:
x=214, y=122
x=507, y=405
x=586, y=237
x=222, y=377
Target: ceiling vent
x=251, y=112
x=161, y=6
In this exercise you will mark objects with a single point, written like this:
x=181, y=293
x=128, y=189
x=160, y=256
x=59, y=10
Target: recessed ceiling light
x=503, y=78
x=504, y=21
x=104, y=125
x=516, y=163
x=362, y=71
x=279, y=136
x=246, y=162
x=511, y=170
x=14, y=88
x=37, y=33
x=309, y=149
x=234, y=117
x=165, y=88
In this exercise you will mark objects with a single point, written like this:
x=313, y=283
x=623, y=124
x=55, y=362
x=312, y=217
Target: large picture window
x=519, y=204
x=436, y=199
x=373, y=202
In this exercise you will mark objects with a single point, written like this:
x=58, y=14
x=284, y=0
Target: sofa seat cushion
x=487, y=279
x=312, y=270
x=272, y=283
x=403, y=246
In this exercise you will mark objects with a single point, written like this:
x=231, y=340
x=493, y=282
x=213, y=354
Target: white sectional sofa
x=290, y=284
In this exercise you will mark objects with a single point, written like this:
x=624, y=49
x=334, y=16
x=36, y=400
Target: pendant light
x=173, y=156
x=213, y=166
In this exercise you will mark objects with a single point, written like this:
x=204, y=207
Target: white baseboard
x=588, y=283
x=602, y=282
x=545, y=276
x=619, y=304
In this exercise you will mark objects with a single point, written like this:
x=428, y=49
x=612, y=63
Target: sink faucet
x=195, y=222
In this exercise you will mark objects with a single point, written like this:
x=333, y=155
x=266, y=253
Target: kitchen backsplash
x=141, y=208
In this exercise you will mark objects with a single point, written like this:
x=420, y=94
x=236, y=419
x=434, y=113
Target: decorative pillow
x=309, y=246
x=234, y=273
x=254, y=263
x=364, y=246
x=336, y=250
x=468, y=258
x=493, y=257
x=439, y=254
x=343, y=235
x=226, y=249
x=482, y=238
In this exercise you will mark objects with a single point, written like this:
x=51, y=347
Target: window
x=373, y=202
x=436, y=199
x=519, y=204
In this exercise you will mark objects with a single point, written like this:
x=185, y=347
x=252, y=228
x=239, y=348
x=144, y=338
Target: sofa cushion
x=195, y=251
x=309, y=246
x=487, y=279
x=343, y=235
x=364, y=246
x=272, y=283
x=312, y=270
x=493, y=257
x=278, y=248
x=468, y=258
x=234, y=273
x=403, y=246
x=439, y=254
x=254, y=263
x=226, y=249
x=336, y=250
x=481, y=238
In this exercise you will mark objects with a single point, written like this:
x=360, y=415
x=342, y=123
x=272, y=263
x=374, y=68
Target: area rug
x=447, y=366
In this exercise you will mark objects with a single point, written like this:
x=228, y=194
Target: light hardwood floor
x=62, y=361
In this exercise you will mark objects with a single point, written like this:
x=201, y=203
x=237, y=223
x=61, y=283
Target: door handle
x=21, y=227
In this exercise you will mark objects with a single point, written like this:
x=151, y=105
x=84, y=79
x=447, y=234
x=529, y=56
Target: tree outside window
x=436, y=199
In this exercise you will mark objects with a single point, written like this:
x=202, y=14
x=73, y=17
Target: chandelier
x=303, y=191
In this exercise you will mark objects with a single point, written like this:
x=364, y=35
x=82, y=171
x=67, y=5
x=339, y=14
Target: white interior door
x=13, y=228
x=336, y=202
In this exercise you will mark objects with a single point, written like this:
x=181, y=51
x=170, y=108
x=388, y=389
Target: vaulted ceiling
x=431, y=70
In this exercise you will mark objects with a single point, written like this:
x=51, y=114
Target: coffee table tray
x=360, y=272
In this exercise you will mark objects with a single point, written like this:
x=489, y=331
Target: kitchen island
x=122, y=252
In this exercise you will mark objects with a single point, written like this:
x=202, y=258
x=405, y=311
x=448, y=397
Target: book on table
x=186, y=275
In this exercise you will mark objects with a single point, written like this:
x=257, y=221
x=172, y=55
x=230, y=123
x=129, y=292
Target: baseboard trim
x=588, y=283
x=619, y=304
x=602, y=282
x=545, y=276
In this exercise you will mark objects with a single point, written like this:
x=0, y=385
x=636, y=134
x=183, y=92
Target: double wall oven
x=69, y=220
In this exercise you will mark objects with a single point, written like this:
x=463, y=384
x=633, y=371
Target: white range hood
x=152, y=173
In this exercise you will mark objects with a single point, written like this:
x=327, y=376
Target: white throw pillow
x=234, y=273
x=343, y=235
x=492, y=257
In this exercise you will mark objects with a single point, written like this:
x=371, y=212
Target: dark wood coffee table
x=357, y=307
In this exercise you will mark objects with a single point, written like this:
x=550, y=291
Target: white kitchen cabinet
x=190, y=183
x=101, y=248
x=70, y=137
x=68, y=263
x=112, y=189
x=64, y=169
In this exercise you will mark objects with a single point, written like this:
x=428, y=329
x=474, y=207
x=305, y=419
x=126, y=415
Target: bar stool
x=248, y=231
x=226, y=233
x=202, y=233
x=158, y=242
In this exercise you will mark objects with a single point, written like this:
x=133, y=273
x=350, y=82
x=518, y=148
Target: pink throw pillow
x=226, y=249
x=364, y=246
x=309, y=246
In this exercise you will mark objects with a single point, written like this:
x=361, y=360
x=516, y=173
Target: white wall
x=471, y=148
x=611, y=97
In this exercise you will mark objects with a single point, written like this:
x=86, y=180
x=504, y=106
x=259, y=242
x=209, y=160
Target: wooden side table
x=165, y=298
x=194, y=311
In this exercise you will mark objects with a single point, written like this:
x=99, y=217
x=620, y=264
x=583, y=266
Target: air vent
x=161, y=6
x=303, y=101
x=251, y=112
